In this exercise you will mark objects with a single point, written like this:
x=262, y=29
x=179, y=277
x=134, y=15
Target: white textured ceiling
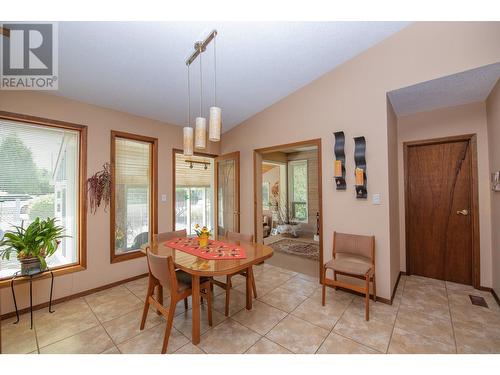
x=465, y=87
x=138, y=67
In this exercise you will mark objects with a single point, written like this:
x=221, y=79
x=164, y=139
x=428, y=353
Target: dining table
x=199, y=267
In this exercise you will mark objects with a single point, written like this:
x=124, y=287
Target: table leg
x=196, y=309
x=14, y=298
x=31, y=303
x=249, y=289
x=159, y=296
x=51, y=289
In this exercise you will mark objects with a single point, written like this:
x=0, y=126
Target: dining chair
x=162, y=272
x=236, y=237
x=165, y=236
x=354, y=256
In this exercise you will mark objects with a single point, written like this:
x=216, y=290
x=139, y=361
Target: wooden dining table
x=198, y=267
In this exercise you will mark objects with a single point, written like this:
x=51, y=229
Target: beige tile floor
x=427, y=316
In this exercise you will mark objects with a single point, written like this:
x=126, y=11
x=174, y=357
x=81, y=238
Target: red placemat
x=214, y=249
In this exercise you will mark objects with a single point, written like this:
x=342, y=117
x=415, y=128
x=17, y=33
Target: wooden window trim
x=82, y=179
x=176, y=151
x=153, y=214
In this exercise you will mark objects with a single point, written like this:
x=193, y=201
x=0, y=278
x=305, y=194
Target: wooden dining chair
x=236, y=237
x=162, y=273
x=354, y=256
x=165, y=236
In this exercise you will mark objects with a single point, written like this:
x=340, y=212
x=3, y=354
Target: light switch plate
x=376, y=199
x=164, y=197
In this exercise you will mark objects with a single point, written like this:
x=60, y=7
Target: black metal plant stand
x=30, y=275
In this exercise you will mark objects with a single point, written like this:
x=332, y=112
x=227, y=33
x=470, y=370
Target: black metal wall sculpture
x=360, y=171
x=339, y=157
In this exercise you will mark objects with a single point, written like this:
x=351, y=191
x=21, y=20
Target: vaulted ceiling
x=138, y=67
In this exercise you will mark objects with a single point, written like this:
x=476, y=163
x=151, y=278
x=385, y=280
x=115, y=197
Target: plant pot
x=30, y=265
x=203, y=241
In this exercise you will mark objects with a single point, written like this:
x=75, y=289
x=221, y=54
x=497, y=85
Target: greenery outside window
x=133, y=194
x=42, y=170
x=297, y=171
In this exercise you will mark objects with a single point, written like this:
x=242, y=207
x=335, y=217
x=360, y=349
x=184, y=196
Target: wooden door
x=227, y=193
x=440, y=209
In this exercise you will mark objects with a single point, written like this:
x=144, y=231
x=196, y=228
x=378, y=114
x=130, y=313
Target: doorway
x=193, y=190
x=287, y=204
x=441, y=209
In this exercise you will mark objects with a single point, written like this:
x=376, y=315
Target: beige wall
x=352, y=98
x=271, y=176
x=100, y=122
x=464, y=119
x=393, y=201
x=493, y=119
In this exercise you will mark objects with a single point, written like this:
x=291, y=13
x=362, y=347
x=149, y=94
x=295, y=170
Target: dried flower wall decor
x=99, y=188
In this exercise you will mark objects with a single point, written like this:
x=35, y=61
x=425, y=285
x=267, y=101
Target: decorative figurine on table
x=203, y=235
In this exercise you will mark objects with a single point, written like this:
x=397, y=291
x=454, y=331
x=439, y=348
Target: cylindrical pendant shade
x=215, y=124
x=188, y=141
x=200, y=133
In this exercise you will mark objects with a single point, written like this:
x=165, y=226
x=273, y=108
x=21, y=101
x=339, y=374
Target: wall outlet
x=376, y=199
x=164, y=197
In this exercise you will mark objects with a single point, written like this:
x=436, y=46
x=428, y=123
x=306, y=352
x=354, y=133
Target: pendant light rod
x=201, y=88
x=200, y=47
x=215, y=73
x=189, y=98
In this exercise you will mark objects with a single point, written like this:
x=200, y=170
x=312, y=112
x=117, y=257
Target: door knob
x=463, y=212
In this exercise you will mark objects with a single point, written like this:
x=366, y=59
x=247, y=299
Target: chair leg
x=367, y=298
x=150, y=292
x=168, y=328
x=186, y=305
x=253, y=282
x=335, y=278
x=228, y=294
x=323, y=295
x=209, y=306
x=374, y=289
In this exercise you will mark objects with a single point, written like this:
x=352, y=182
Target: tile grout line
x=396, y=319
x=102, y=326
x=451, y=318
x=74, y=334
x=338, y=320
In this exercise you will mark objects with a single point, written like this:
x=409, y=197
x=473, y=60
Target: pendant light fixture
x=200, y=131
x=188, y=130
x=215, y=122
x=200, y=136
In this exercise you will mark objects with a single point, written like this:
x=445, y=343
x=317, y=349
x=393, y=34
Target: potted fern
x=32, y=244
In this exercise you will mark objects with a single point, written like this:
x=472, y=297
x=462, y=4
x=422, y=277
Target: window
x=193, y=192
x=265, y=195
x=41, y=176
x=298, y=190
x=133, y=194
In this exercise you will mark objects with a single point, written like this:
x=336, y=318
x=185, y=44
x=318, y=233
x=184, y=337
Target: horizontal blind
x=132, y=162
x=196, y=176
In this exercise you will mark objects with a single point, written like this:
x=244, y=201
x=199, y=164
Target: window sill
x=57, y=272
x=127, y=256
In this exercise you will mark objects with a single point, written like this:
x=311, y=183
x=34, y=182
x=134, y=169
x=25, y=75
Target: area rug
x=304, y=249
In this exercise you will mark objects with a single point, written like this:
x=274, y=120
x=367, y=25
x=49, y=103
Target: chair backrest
x=165, y=236
x=162, y=269
x=354, y=244
x=234, y=236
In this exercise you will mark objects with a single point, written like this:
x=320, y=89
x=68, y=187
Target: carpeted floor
x=296, y=247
